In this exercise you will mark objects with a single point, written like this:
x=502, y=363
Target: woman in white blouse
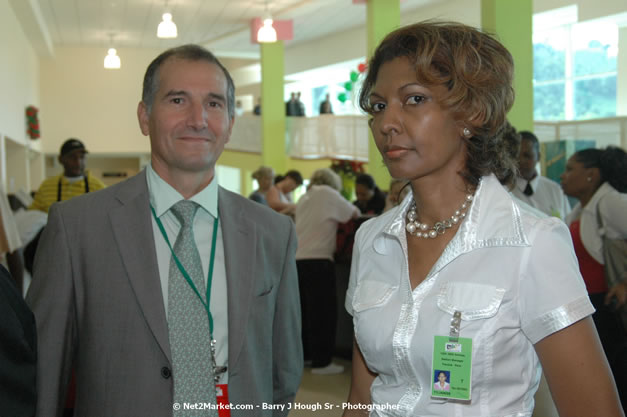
x=598, y=179
x=459, y=258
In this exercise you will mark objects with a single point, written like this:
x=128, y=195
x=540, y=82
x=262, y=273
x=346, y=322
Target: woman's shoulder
x=536, y=223
x=612, y=206
x=609, y=197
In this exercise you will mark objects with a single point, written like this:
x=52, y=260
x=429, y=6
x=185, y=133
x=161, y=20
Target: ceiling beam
x=32, y=21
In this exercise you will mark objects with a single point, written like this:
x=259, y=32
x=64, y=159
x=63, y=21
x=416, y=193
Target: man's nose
x=198, y=116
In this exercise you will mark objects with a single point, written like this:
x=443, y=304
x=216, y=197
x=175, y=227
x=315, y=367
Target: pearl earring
x=466, y=132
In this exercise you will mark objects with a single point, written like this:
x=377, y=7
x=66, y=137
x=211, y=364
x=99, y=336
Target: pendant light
x=167, y=28
x=112, y=60
x=266, y=33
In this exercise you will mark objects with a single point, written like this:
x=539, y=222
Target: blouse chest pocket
x=371, y=294
x=474, y=301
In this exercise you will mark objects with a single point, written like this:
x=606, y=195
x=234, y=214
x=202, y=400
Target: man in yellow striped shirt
x=74, y=181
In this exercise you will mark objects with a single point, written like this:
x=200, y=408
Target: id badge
x=222, y=397
x=451, y=368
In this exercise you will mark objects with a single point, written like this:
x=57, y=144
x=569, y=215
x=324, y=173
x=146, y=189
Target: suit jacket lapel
x=239, y=240
x=132, y=227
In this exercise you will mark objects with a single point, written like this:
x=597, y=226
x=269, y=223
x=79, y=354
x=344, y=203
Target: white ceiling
x=222, y=25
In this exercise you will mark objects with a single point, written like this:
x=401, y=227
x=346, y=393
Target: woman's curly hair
x=477, y=71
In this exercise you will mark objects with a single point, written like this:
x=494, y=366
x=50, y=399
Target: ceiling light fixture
x=112, y=60
x=266, y=33
x=167, y=28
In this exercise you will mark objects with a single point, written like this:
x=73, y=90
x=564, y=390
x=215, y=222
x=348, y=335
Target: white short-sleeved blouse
x=512, y=274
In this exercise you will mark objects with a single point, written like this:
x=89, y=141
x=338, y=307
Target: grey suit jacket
x=99, y=307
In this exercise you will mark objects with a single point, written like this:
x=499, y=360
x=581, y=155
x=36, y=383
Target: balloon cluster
x=348, y=85
x=32, y=121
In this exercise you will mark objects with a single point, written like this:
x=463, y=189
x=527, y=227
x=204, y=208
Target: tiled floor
x=322, y=395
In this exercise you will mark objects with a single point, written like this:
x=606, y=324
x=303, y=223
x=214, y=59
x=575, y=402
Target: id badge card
x=451, y=368
x=222, y=397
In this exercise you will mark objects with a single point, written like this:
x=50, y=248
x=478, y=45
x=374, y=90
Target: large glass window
x=574, y=69
x=315, y=84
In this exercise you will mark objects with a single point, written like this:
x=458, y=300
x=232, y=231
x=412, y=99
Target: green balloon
x=354, y=76
x=348, y=85
x=341, y=97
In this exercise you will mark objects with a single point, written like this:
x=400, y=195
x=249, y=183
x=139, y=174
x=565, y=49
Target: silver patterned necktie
x=192, y=367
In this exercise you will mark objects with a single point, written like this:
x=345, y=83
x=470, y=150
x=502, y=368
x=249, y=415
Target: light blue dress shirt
x=162, y=197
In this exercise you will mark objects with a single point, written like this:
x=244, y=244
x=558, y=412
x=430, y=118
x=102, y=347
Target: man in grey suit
x=108, y=267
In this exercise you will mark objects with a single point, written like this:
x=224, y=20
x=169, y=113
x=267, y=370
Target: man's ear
x=231, y=123
x=60, y=159
x=143, y=117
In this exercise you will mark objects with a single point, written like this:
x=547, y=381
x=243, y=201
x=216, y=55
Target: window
x=574, y=68
x=229, y=178
x=315, y=84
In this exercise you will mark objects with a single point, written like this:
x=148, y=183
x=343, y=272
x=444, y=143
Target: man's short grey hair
x=326, y=176
x=188, y=52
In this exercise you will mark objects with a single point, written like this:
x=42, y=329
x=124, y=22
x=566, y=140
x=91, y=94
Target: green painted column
x=273, y=152
x=383, y=16
x=511, y=21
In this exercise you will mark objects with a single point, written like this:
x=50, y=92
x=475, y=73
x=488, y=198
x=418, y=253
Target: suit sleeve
x=51, y=297
x=287, y=344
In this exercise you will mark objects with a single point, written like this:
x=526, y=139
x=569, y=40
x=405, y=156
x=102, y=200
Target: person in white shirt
x=534, y=189
x=318, y=214
x=460, y=259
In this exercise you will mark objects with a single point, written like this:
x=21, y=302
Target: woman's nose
x=391, y=122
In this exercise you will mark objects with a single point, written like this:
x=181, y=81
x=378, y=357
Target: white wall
x=621, y=70
x=82, y=99
x=99, y=106
x=19, y=88
x=19, y=76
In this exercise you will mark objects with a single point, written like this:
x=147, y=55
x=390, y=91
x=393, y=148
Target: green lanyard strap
x=184, y=272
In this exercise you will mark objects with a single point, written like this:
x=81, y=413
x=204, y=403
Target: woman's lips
x=395, y=152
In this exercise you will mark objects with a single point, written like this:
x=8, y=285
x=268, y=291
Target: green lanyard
x=184, y=272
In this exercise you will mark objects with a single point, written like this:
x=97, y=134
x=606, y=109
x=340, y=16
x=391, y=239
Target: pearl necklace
x=414, y=227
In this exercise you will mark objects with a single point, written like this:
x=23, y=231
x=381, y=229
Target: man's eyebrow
x=217, y=96
x=214, y=96
x=176, y=93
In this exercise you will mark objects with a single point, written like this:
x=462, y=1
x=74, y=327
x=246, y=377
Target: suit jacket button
x=165, y=372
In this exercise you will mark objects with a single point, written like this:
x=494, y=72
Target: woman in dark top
x=370, y=200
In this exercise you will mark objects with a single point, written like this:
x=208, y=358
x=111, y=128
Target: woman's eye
x=415, y=99
x=377, y=107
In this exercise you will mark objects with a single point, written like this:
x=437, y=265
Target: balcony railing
x=327, y=136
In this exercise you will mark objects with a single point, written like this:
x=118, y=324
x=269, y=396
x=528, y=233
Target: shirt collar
x=521, y=183
x=493, y=219
x=163, y=196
